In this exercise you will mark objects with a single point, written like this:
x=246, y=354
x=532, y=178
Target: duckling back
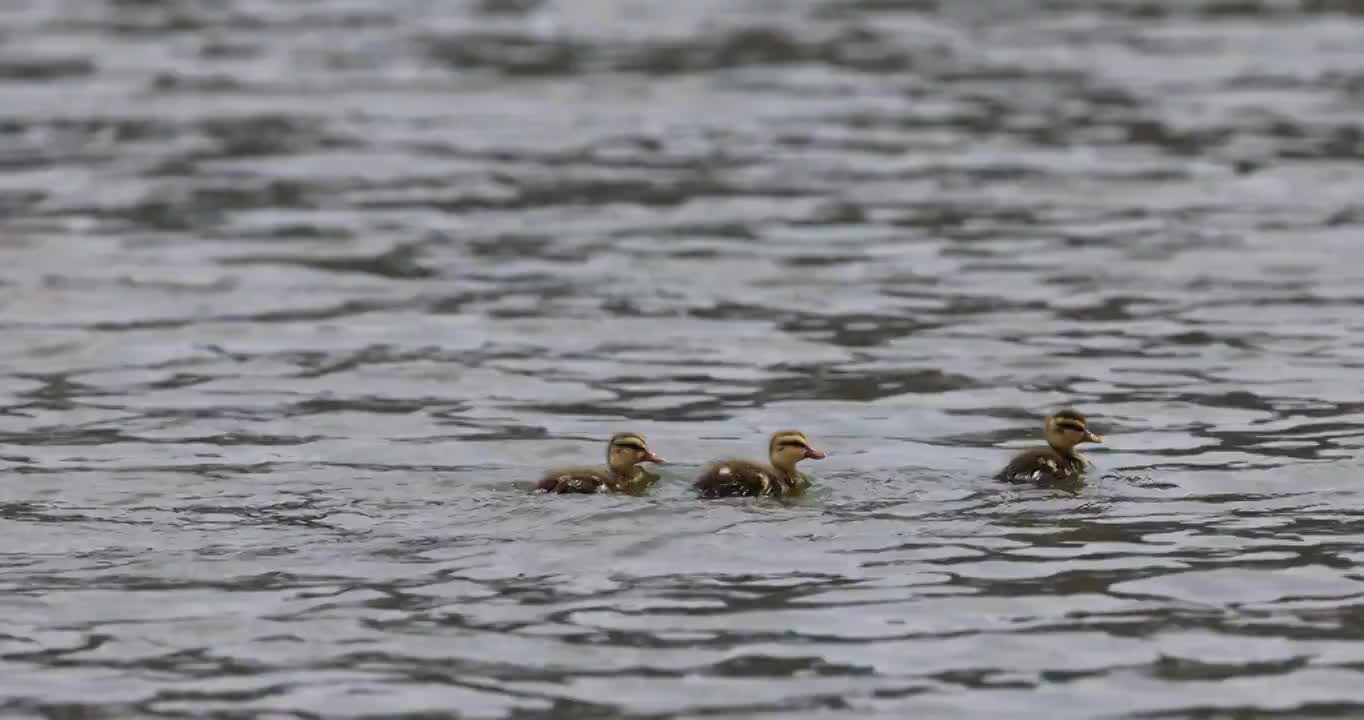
x=591, y=480
x=576, y=480
x=1044, y=465
x=740, y=478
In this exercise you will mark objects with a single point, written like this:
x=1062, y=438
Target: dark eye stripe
x=792, y=443
x=635, y=444
x=1072, y=426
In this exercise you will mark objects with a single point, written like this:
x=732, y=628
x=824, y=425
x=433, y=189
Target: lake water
x=297, y=299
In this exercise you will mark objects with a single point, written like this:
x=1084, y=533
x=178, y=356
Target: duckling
x=1059, y=462
x=624, y=452
x=728, y=478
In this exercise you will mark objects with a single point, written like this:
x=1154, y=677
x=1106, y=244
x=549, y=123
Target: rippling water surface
x=297, y=298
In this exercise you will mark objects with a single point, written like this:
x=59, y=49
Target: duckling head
x=789, y=447
x=628, y=449
x=1067, y=428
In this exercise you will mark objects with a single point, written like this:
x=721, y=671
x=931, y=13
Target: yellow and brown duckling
x=741, y=478
x=1059, y=462
x=621, y=474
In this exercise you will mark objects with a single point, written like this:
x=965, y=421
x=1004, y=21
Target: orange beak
x=1091, y=437
x=649, y=456
x=814, y=454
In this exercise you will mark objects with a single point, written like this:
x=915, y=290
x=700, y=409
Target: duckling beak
x=651, y=457
x=1091, y=437
x=814, y=454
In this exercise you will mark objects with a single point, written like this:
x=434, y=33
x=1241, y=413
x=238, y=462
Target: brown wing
x=1039, y=465
x=581, y=481
x=738, y=478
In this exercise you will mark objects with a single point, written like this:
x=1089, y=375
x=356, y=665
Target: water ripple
x=299, y=298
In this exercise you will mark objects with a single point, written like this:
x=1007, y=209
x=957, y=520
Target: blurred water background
x=297, y=298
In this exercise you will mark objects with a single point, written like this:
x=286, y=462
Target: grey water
x=298, y=298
